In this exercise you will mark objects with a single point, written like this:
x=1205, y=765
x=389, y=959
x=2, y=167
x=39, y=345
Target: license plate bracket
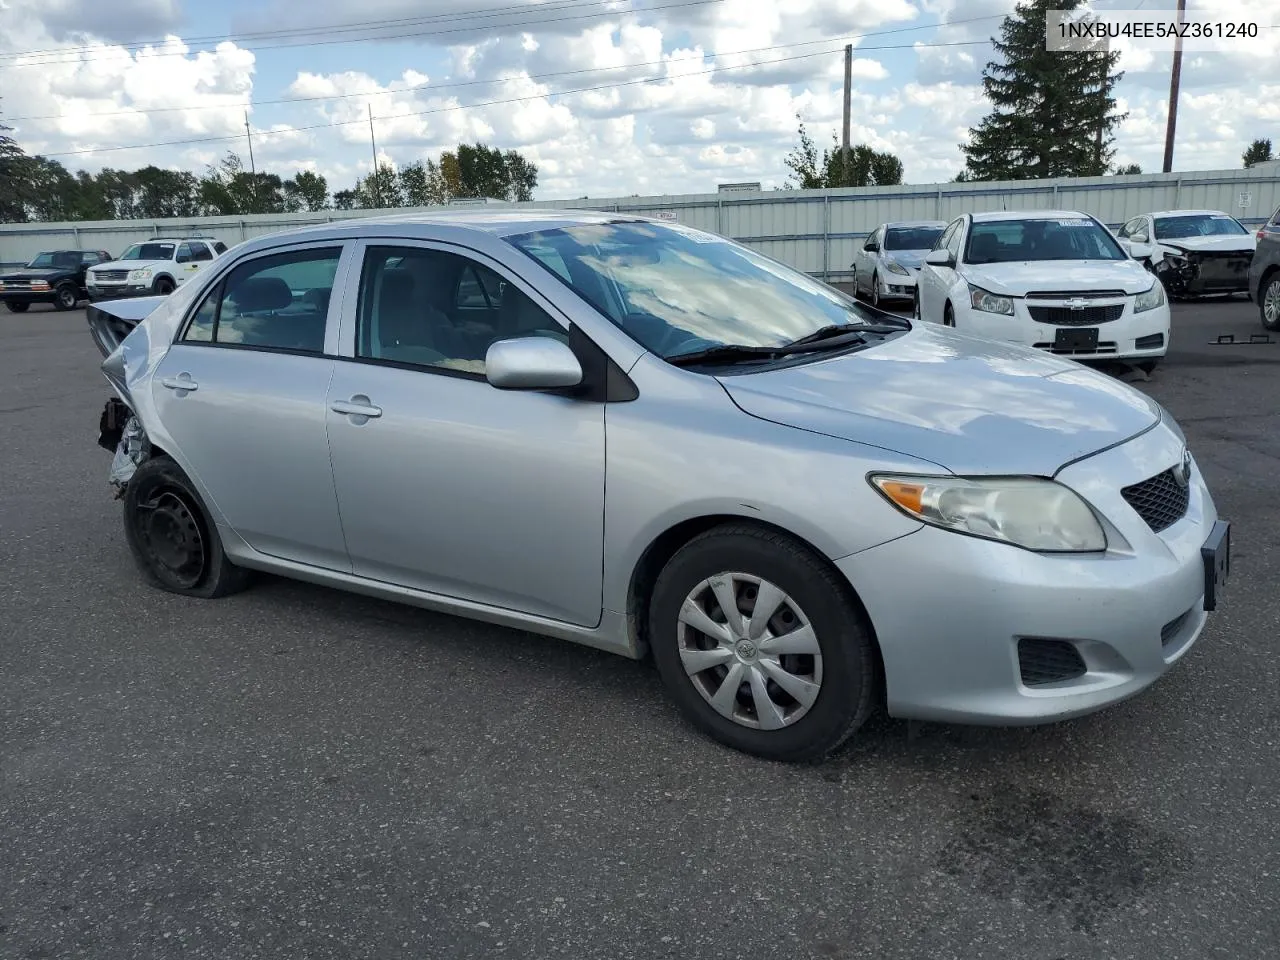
x=1216, y=554
x=1076, y=339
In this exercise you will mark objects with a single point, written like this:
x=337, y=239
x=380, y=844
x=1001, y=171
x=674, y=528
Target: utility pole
x=373, y=180
x=848, y=100
x=1173, y=91
x=249, y=133
x=1102, y=115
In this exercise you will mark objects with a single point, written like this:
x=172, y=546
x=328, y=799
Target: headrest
x=262, y=293
x=397, y=287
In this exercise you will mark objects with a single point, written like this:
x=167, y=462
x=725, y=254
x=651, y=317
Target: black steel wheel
x=172, y=537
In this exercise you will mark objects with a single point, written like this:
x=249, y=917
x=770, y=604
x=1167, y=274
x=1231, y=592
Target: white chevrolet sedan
x=1054, y=280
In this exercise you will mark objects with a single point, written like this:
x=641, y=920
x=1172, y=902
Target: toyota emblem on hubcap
x=746, y=650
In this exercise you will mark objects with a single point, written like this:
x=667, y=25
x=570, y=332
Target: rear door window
x=277, y=302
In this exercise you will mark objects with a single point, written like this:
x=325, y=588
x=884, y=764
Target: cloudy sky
x=608, y=98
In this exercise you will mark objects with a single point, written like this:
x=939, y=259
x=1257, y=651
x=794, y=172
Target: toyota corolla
x=650, y=439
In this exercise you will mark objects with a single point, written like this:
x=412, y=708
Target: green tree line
x=34, y=188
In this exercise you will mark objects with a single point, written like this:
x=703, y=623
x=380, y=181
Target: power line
x=506, y=100
x=397, y=36
x=473, y=83
x=552, y=6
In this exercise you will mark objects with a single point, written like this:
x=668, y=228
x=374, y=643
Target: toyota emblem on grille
x=1077, y=303
x=1182, y=472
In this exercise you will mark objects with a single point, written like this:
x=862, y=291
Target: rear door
x=242, y=395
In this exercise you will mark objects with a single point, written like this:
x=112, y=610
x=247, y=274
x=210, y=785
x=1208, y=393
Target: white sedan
x=1050, y=279
x=1193, y=252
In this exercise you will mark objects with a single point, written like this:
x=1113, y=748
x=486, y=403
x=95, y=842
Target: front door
x=243, y=392
x=445, y=483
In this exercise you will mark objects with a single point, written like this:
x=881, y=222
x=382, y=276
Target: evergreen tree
x=1054, y=112
x=1259, y=152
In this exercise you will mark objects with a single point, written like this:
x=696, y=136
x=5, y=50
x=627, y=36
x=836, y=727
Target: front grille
x=1068, y=294
x=16, y=284
x=1169, y=632
x=1104, y=347
x=1161, y=501
x=1048, y=661
x=111, y=275
x=1066, y=317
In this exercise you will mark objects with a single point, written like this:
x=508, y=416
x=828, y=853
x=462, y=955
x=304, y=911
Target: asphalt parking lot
x=297, y=772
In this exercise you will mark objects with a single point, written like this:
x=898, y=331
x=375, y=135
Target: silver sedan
x=649, y=439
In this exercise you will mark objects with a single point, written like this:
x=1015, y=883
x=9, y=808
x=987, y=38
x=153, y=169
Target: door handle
x=357, y=406
x=182, y=381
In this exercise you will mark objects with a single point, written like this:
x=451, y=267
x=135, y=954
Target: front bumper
x=895, y=286
x=118, y=291
x=1195, y=274
x=951, y=611
x=27, y=296
x=1129, y=337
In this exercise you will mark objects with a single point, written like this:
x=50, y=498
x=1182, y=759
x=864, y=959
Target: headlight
x=1028, y=512
x=1149, y=299
x=988, y=302
x=893, y=266
x=144, y=274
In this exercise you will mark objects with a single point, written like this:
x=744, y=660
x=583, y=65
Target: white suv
x=152, y=267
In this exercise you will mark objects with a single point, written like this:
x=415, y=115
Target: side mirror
x=940, y=258
x=532, y=363
x=871, y=247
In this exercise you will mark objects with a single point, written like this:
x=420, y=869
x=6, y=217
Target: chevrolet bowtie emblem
x=1077, y=303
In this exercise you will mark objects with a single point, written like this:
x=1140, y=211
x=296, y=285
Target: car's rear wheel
x=163, y=286
x=761, y=645
x=173, y=540
x=66, y=297
x=1269, y=302
x=17, y=307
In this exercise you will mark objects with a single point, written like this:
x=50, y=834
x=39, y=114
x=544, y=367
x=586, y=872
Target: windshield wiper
x=737, y=353
x=833, y=330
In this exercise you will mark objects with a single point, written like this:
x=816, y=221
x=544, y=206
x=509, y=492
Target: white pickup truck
x=150, y=267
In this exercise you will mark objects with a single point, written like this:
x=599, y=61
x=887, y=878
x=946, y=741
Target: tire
x=163, y=286
x=1269, y=301
x=1148, y=366
x=66, y=297
x=948, y=316
x=915, y=306
x=17, y=307
x=875, y=290
x=844, y=668
x=857, y=288
x=172, y=538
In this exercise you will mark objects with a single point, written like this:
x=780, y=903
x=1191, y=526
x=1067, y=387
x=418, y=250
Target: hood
x=39, y=273
x=128, y=264
x=1020, y=277
x=1245, y=243
x=912, y=259
x=971, y=405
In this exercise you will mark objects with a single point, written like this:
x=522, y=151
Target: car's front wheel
x=1269, y=302
x=66, y=297
x=948, y=316
x=172, y=537
x=875, y=290
x=761, y=645
x=17, y=307
x=163, y=286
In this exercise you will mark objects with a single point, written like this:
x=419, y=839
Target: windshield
x=911, y=238
x=1197, y=225
x=55, y=258
x=1071, y=238
x=149, y=251
x=676, y=290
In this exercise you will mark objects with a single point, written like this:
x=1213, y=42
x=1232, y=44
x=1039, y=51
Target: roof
x=997, y=215
x=1189, y=213
x=497, y=222
x=916, y=223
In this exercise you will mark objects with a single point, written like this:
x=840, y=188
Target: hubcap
x=750, y=651
x=68, y=298
x=1271, y=302
x=172, y=538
